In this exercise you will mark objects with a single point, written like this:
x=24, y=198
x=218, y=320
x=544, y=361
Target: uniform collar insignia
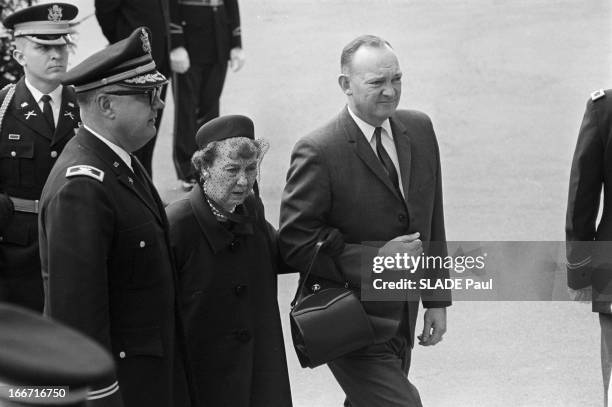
x=30, y=113
x=24, y=104
x=69, y=114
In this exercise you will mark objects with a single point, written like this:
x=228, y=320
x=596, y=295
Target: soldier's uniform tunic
x=28, y=150
x=589, y=244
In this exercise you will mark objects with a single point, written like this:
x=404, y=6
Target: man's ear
x=345, y=84
x=18, y=56
x=105, y=105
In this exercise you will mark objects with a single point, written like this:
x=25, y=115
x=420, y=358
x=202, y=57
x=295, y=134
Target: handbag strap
x=307, y=274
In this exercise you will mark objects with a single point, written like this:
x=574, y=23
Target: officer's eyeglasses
x=152, y=93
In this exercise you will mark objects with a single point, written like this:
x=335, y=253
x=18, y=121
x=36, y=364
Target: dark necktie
x=385, y=159
x=47, y=111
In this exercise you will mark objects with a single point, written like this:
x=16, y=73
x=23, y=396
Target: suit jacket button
x=122, y=355
x=1, y=238
x=53, y=154
x=233, y=245
x=401, y=217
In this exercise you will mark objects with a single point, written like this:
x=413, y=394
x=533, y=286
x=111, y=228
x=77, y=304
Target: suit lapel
x=364, y=151
x=123, y=173
x=68, y=117
x=149, y=191
x=131, y=182
x=28, y=112
x=404, y=152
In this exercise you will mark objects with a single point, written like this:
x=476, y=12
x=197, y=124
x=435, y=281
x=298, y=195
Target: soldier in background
x=37, y=118
x=206, y=35
x=589, y=258
x=118, y=19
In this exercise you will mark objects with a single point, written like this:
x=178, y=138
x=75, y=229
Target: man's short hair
x=363, y=40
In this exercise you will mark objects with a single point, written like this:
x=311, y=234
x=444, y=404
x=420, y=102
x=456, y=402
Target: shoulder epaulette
x=598, y=94
x=86, y=170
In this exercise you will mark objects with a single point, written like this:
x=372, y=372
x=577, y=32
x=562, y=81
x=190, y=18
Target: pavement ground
x=505, y=83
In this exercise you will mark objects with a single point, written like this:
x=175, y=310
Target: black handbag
x=328, y=323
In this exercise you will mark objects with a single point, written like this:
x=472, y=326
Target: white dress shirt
x=124, y=155
x=386, y=137
x=56, y=99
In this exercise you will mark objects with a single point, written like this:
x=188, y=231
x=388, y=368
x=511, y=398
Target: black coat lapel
x=125, y=176
x=69, y=117
x=364, y=151
x=404, y=152
x=28, y=112
x=218, y=236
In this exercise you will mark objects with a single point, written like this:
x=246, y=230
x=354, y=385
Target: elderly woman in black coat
x=227, y=262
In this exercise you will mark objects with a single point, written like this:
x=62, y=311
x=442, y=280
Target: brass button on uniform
x=122, y=355
x=13, y=154
x=142, y=243
x=53, y=154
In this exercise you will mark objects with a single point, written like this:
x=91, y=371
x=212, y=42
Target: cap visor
x=58, y=41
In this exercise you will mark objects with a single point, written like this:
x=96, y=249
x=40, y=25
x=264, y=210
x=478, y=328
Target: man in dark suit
x=37, y=118
x=589, y=259
x=371, y=174
x=118, y=19
x=103, y=231
x=206, y=34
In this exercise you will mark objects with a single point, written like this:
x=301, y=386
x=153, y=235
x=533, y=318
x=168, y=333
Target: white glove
x=179, y=60
x=237, y=59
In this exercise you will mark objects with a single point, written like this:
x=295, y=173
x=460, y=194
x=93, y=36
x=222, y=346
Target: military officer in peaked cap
x=37, y=117
x=589, y=243
x=103, y=231
x=43, y=362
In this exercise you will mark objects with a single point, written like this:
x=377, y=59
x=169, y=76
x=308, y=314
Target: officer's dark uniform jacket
x=208, y=29
x=107, y=270
x=28, y=150
x=589, y=245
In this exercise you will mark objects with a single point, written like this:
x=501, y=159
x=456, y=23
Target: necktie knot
x=378, y=133
x=45, y=98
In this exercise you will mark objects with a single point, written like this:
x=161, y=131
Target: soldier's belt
x=207, y=3
x=25, y=205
